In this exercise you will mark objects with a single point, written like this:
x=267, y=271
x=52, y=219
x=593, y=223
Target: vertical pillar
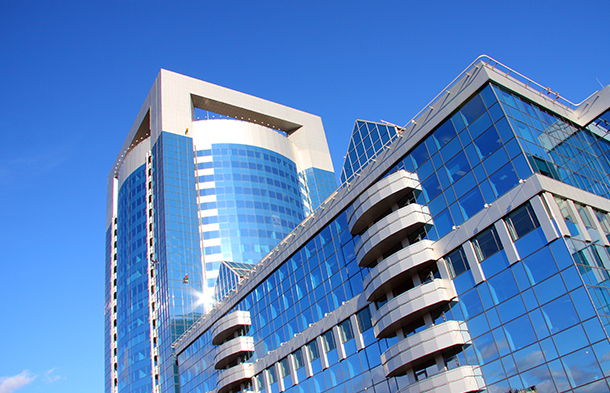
x=357, y=335
x=598, y=227
x=584, y=233
x=293, y=369
x=473, y=262
x=507, y=242
x=340, y=347
x=550, y=233
x=323, y=357
x=307, y=361
x=556, y=214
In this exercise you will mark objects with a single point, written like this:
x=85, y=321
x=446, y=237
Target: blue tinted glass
x=488, y=96
x=495, y=264
x=485, y=348
x=550, y=289
x=472, y=109
x=540, y=265
x=456, y=213
x=457, y=167
x=478, y=325
x=520, y=333
x=511, y=309
x=480, y=125
x=583, y=303
x=471, y=304
x=443, y=223
x=529, y=357
x=488, y=142
x=560, y=314
x=444, y=133
x=503, y=286
x=540, y=325
x=458, y=122
x=504, y=179
x=493, y=372
x=420, y=154
x=473, y=154
x=570, y=340
x=465, y=184
x=471, y=203
x=451, y=149
x=539, y=377
x=504, y=129
x=431, y=187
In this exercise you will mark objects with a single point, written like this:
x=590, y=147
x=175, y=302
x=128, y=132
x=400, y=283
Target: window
x=604, y=220
x=345, y=331
x=457, y=263
x=328, y=340
x=486, y=244
x=364, y=320
x=565, y=211
x=584, y=215
x=271, y=375
x=424, y=370
x=297, y=356
x=258, y=383
x=284, y=368
x=521, y=221
x=312, y=351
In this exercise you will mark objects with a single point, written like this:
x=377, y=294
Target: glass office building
x=469, y=252
x=187, y=196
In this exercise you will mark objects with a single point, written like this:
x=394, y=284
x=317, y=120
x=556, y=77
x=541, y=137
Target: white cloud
x=48, y=376
x=16, y=382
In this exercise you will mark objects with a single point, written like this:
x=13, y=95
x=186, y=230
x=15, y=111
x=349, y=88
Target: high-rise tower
x=185, y=195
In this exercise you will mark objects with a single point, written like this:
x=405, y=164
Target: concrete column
x=266, y=381
x=584, y=233
x=440, y=363
x=339, y=343
x=307, y=361
x=323, y=357
x=473, y=262
x=280, y=379
x=550, y=233
x=357, y=335
x=598, y=227
x=556, y=215
x=293, y=369
x=443, y=270
x=507, y=242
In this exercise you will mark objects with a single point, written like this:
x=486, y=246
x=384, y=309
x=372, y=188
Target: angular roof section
x=229, y=275
x=367, y=140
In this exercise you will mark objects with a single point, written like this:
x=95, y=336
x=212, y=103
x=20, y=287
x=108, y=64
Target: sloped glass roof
x=368, y=139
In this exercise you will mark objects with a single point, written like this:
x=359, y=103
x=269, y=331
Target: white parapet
x=389, y=230
x=379, y=197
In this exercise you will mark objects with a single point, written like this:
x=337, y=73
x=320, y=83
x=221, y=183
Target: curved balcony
x=379, y=197
x=388, y=231
x=233, y=377
x=229, y=324
x=461, y=379
x=409, y=306
x=231, y=350
x=398, y=267
x=448, y=337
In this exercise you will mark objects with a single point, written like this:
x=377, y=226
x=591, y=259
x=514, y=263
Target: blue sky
x=73, y=76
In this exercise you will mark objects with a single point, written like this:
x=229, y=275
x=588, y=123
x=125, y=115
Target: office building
x=467, y=251
x=207, y=177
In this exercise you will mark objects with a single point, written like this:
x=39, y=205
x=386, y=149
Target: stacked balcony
x=405, y=283
x=233, y=351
